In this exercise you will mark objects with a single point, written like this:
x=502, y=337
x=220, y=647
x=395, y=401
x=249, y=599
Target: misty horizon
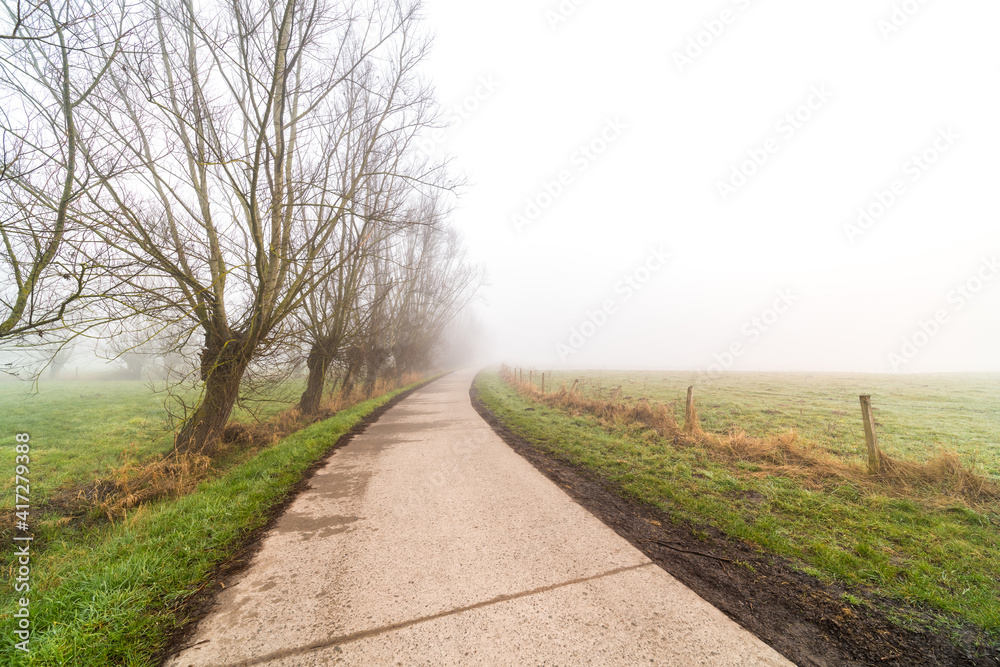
x=844, y=155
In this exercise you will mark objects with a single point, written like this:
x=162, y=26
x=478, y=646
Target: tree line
x=235, y=177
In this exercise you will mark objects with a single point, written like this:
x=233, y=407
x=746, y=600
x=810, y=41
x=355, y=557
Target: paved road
x=428, y=541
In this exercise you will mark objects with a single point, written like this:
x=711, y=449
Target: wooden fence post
x=871, y=439
x=690, y=413
x=543, y=384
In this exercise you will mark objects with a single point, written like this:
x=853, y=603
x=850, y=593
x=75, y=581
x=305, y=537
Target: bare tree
x=52, y=56
x=215, y=172
x=329, y=314
x=335, y=310
x=434, y=283
x=417, y=284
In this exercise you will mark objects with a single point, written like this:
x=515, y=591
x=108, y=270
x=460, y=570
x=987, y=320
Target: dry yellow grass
x=939, y=481
x=135, y=483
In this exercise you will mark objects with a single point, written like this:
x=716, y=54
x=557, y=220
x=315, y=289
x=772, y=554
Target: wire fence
x=915, y=415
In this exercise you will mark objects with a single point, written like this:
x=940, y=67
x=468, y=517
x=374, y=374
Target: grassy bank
x=941, y=557
x=109, y=594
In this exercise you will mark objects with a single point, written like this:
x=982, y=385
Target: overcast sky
x=822, y=176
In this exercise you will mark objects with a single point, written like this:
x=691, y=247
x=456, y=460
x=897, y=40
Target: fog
x=731, y=185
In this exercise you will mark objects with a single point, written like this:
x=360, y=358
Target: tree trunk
x=370, y=378
x=398, y=356
x=134, y=364
x=318, y=363
x=355, y=360
x=223, y=365
x=374, y=361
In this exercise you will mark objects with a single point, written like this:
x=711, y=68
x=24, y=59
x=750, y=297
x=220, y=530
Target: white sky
x=677, y=132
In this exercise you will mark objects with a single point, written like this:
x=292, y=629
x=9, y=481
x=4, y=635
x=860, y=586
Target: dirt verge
x=802, y=618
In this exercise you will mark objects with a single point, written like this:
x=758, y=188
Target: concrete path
x=428, y=541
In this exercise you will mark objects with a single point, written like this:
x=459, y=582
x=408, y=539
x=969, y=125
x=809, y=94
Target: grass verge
x=941, y=560
x=115, y=593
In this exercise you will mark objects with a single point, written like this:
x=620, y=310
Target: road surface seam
x=364, y=634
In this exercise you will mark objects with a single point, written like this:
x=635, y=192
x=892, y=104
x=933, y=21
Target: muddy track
x=797, y=615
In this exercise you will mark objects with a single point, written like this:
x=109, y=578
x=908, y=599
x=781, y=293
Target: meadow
x=916, y=415
x=80, y=430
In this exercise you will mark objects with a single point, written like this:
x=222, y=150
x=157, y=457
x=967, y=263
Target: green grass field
x=80, y=429
x=940, y=559
x=916, y=415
